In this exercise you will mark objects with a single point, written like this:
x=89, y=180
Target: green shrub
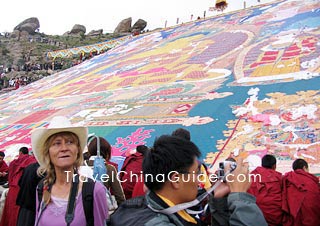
x=5, y=51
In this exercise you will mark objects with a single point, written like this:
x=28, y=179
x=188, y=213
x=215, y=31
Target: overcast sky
x=58, y=16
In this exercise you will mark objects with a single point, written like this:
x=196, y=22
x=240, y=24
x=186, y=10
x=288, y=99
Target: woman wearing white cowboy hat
x=58, y=150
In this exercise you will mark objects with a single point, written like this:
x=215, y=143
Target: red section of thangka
x=37, y=117
x=127, y=81
x=150, y=81
x=196, y=75
x=167, y=92
x=130, y=142
x=15, y=134
x=305, y=46
x=182, y=109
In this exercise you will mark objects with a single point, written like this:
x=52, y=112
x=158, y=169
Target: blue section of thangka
x=205, y=136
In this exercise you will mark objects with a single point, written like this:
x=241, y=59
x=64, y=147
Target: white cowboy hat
x=57, y=124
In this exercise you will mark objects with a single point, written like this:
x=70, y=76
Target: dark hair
x=268, y=161
x=169, y=153
x=182, y=133
x=24, y=150
x=230, y=159
x=86, y=156
x=299, y=164
x=142, y=149
x=2, y=154
x=105, y=148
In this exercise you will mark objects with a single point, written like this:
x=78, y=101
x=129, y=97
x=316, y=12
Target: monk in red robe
x=301, y=196
x=139, y=188
x=266, y=186
x=3, y=169
x=16, y=167
x=131, y=170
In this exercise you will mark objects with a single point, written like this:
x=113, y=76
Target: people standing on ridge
x=301, y=196
x=16, y=167
x=17, y=83
x=170, y=172
x=105, y=151
x=59, y=151
x=266, y=186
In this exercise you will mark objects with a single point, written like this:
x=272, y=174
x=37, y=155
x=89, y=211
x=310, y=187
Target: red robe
x=11, y=210
x=3, y=167
x=132, y=165
x=268, y=193
x=138, y=189
x=301, y=199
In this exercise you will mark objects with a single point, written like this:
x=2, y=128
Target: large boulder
x=139, y=25
x=124, y=26
x=29, y=25
x=77, y=29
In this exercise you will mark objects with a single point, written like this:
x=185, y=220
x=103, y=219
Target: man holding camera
x=177, y=160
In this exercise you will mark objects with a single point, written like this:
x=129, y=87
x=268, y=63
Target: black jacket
x=135, y=212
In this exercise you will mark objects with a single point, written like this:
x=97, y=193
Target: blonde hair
x=48, y=168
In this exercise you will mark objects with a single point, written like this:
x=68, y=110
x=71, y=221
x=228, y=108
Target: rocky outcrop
x=124, y=26
x=15, y=34
x=95, y=32
x=29, y=25
x=139, y=26
x=78, y=29
x=20, y=35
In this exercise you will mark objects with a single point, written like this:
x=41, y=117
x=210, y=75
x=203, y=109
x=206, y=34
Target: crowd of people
x=9, y=83
x=171, y=185
x=56, y=65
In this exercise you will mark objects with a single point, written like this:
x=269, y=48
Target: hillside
x=15, y=52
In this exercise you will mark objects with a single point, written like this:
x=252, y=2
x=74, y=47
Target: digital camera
x=223, y=165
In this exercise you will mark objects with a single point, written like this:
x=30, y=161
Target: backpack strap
x=87, y=201
x=72, y=201
x=40, y=193
x=98, y=143
x=98, y=146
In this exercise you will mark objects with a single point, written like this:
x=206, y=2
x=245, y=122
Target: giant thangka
x=244, y=84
